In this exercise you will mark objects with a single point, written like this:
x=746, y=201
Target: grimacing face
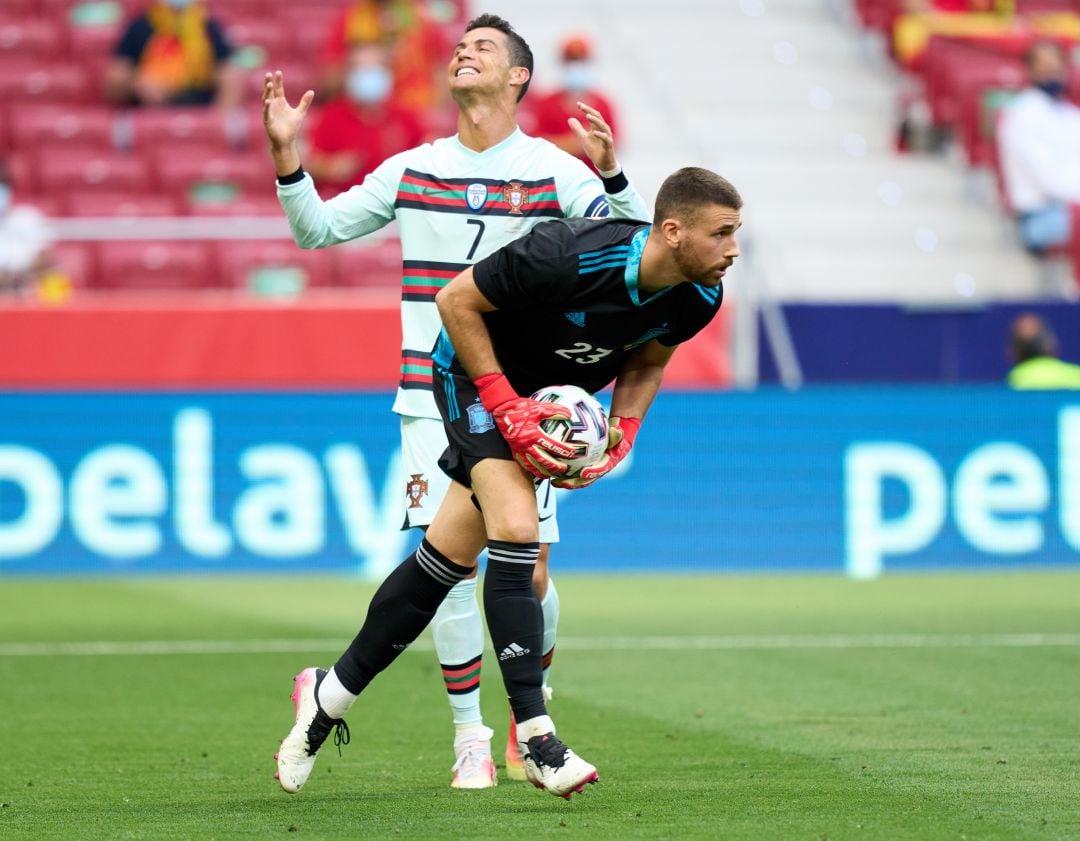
x=480, y=61
x=707, y=245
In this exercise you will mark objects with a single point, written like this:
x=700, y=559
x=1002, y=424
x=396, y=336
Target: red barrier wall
x=218, y=340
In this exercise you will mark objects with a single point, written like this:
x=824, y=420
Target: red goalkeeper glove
x=518, y=419
x=621, y=435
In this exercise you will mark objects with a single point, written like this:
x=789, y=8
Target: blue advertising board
x=855, y=480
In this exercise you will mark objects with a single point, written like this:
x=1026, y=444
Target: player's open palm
x=596, y=138
x=281, y=120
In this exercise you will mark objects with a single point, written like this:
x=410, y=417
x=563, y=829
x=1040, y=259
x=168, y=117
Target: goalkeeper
x=575, y=301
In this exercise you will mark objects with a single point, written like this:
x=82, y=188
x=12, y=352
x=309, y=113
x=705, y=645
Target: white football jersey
x=454, y=206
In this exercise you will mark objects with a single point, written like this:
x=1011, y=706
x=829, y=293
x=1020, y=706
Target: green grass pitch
x=915, y=707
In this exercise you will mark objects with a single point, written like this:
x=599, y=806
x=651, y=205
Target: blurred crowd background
x=896, y=154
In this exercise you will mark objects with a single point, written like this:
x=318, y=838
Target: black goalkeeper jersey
x=568, y=306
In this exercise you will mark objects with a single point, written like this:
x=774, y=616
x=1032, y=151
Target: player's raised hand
x=281, y=120
x=596, y=141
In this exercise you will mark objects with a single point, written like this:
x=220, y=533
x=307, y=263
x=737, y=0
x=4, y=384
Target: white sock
x=536, y=726
x=458, y=631
x=334, y=698
x=550, y=606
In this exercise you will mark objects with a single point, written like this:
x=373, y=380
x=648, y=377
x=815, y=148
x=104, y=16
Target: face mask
x=1054, y=88
x=5, y=198
x=369, y=85
x=577, y=75
x=179, y=4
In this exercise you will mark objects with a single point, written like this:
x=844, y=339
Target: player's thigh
x=508, y=499
x=423, y=441
x=458, y=529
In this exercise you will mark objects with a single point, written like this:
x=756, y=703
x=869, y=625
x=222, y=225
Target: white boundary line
x=657, y=643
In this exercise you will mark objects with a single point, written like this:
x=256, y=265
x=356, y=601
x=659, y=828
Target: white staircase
x=785, y=99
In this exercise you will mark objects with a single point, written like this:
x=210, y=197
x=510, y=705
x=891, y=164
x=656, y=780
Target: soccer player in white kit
x=456, y=201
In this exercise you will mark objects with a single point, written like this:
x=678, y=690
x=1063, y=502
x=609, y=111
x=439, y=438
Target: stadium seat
x=49, y=125
x=31, y=80
x=122, y=204
x=23, y=176
x=186, y=175
x=170, y=128
x=76, y=260
x=155, y=265
x=29, y=37
x=268, y=34
x=94, y=40
x=275, y=267
x=262, y=205
x=77, y=169
x=372, y=263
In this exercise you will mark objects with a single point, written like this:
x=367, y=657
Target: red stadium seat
x=122, y=204
x=185, y=175
x=29, y=37
x=23, y=176
x=76, y=261
x=95, y=40
x=48, y=125
x=34, y=81
x=169, y=128
x=77, y=169
x=267, y=205
x=155, y=265
x=273, y=37
x=275, y=267
x=372, y=263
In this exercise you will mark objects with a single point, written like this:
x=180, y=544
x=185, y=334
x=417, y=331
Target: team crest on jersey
x=480, y=419
x=516, y=195
x=416, y=489
x=476, y=196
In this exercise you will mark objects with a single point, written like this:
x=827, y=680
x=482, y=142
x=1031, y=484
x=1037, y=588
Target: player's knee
x=514, y=530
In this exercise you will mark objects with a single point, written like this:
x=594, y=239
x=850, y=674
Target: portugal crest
x=416, y=489
x=516, y=195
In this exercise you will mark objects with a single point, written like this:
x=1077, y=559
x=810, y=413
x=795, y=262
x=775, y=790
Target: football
x=586, y=431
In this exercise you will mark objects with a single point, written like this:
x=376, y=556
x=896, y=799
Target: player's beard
x=690, y=264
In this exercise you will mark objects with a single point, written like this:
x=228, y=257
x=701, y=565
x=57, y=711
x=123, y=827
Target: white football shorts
x=422, y=442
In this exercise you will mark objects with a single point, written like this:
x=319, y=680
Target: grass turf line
x=855, y=743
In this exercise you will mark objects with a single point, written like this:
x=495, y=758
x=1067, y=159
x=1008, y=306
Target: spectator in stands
x=174, y=54
x=552, y=112
x=26, y=265
x=416, y=44
x=1033, y=348
x=363, y=126
x=1039, y=149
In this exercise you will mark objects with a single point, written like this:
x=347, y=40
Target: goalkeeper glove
x=621, y=435
x=518, y=419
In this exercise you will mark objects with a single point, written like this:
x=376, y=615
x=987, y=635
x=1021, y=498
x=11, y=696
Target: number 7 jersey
x=453, y=206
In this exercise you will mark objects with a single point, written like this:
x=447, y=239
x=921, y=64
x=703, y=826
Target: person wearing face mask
x=363, y=126
x=551, y=112
x=173, y=54
x=1039, y=149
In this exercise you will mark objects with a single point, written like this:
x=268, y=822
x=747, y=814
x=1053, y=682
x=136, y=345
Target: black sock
x=400, y=609
x=516, y=624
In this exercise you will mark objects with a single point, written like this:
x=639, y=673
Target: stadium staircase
x=793, y=102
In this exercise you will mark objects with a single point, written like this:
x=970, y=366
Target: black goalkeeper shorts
x=471, y=433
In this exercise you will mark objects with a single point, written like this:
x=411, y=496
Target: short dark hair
x=1032, y=52
x=687, y=190
x=1031, y=338
x=520, y=53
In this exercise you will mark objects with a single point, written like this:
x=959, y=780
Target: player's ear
x=519, y=76
x=672, y=232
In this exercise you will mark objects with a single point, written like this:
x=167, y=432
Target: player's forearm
x=635, y=391
x=286, y=158
x=468, y=333
x=626, y=203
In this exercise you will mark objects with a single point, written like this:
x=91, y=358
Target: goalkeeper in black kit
x=576, y=301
